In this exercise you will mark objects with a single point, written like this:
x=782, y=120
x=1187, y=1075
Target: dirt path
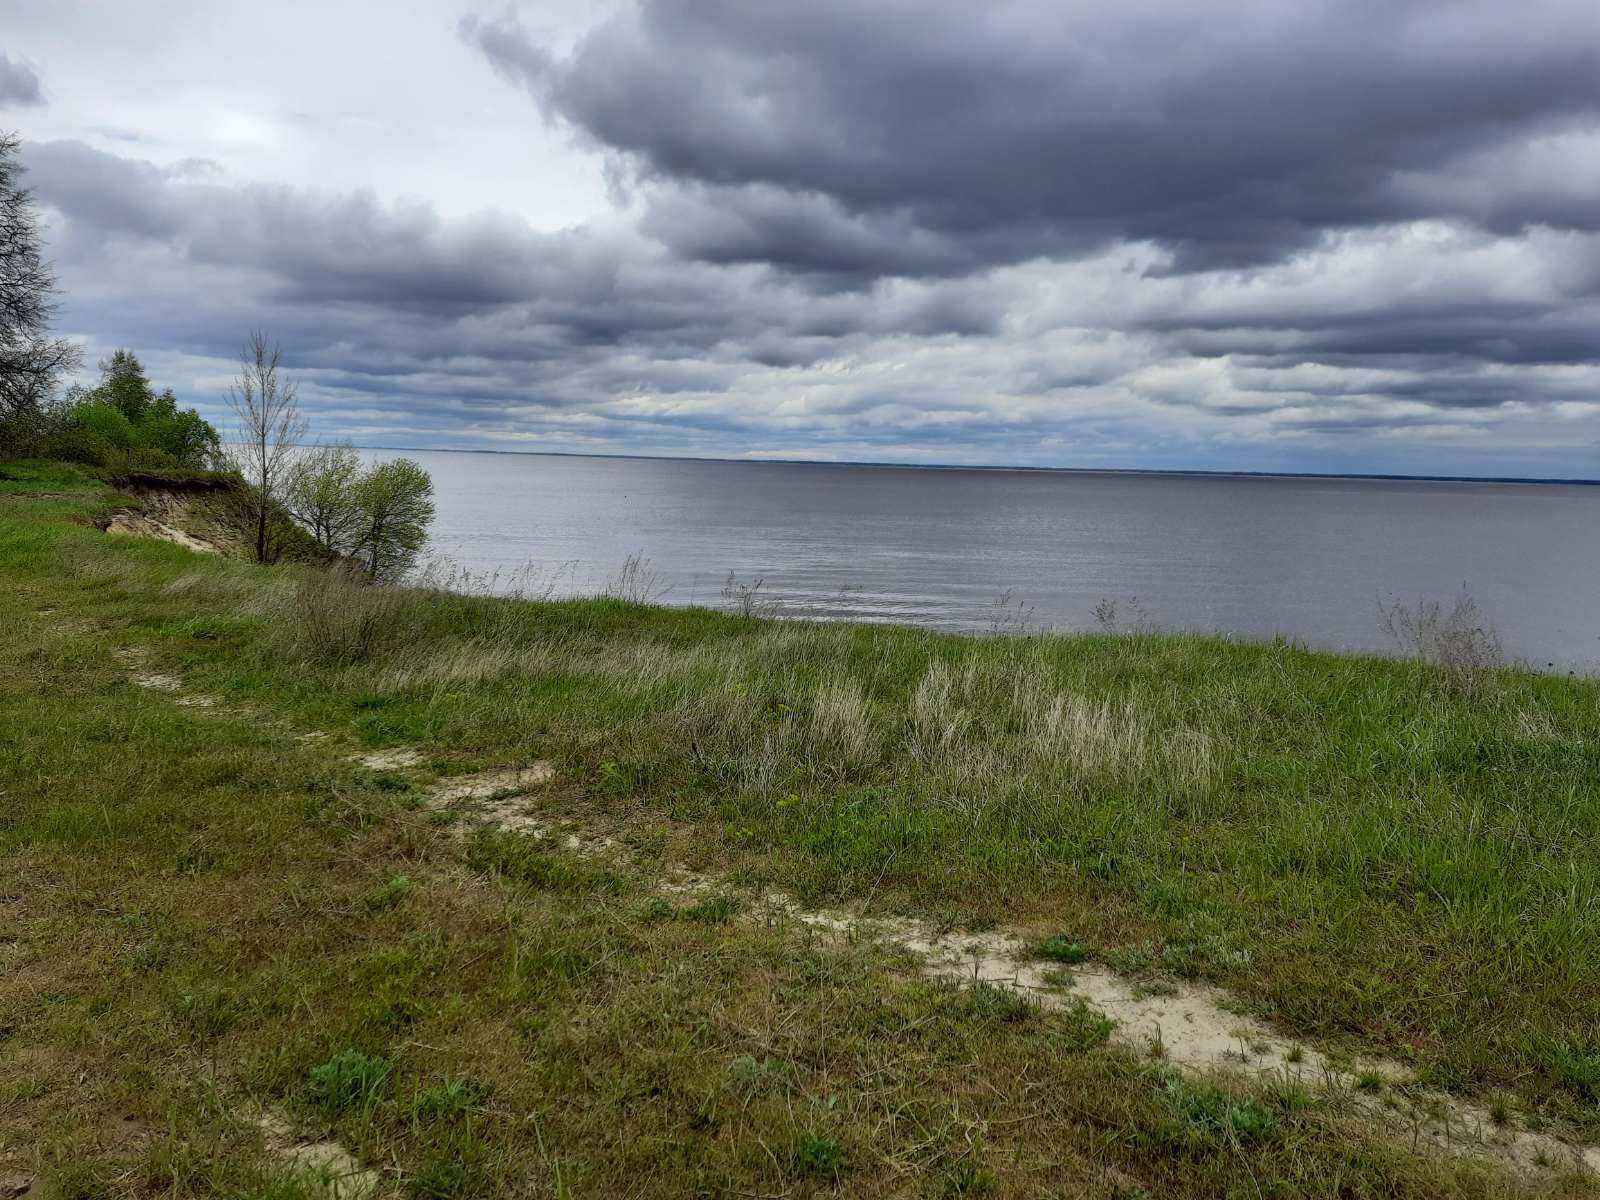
x=1198, y=1029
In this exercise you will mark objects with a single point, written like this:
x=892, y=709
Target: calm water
x=1312, y=559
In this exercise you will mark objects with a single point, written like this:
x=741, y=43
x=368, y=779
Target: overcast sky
x=1246, y=234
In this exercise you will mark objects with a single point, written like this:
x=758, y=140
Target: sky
x=1298, y=235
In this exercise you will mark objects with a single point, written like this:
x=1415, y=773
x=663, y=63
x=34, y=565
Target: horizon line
x=1380, y=476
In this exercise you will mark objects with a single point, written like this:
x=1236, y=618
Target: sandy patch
x=500, y=798
x=342, y=1174
x=1194, y=1029
x=388, y=760
x=501, y=782
x=137, y=525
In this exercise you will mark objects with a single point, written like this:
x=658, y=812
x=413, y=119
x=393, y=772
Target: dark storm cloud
x=911, y=136
x=19, y=83
x=1006, y=232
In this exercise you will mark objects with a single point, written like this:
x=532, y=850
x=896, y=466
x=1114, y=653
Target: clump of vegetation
x=1061, y=949
x=637, y=582
x=376, y=516
x=340, y=618
x=123, y=424
x=1457, y=643
x=750, y=599
x=1205, y=1118
x=532, y=863
x=449, y=1098
x=817, y=1155
x=1080, y=1027
x=349, y=1082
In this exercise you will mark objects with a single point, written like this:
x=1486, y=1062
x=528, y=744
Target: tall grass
x=1359, y=853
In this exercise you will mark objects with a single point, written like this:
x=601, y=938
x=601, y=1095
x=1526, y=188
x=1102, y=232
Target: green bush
x=106, y=422
x=79, y=445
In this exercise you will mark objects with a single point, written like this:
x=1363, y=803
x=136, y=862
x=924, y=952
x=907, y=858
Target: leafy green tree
x=124, y=385
x=320, y=491
x=180, y=432
x=395, y=502
x=106, y=421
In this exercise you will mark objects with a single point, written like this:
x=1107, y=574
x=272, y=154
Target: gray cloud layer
x=1256, y=234
x=19, y=83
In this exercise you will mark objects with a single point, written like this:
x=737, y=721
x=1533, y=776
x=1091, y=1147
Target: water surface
x=1309, y=558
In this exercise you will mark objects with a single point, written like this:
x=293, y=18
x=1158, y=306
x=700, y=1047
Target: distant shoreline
x=1392, y=477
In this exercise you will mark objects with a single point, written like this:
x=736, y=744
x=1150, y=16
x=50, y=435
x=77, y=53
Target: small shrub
x=817, y=1156
x=341, y=618
x=350, y=1081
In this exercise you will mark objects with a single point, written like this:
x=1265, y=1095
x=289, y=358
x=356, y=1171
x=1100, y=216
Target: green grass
x=205, y=912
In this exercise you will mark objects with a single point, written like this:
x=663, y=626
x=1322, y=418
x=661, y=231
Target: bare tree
x=30, y=359
x=269, y=428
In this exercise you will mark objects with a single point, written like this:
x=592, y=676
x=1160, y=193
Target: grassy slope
x=203, y=907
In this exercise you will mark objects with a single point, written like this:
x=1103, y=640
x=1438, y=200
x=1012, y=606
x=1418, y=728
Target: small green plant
x=714, y=910
x=350, y=1081
x=817, y=1156
x=1061, y=949
x=980, y=1003
x=447, y=1099
x=151, y=954
x=1080, y=1026
x=656, y=909
x=389, y=894
x=1369, y=1081
x=460, y=1166
x=1204, y=1118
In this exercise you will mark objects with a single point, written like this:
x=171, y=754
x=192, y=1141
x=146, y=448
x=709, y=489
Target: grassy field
x=209, y=913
